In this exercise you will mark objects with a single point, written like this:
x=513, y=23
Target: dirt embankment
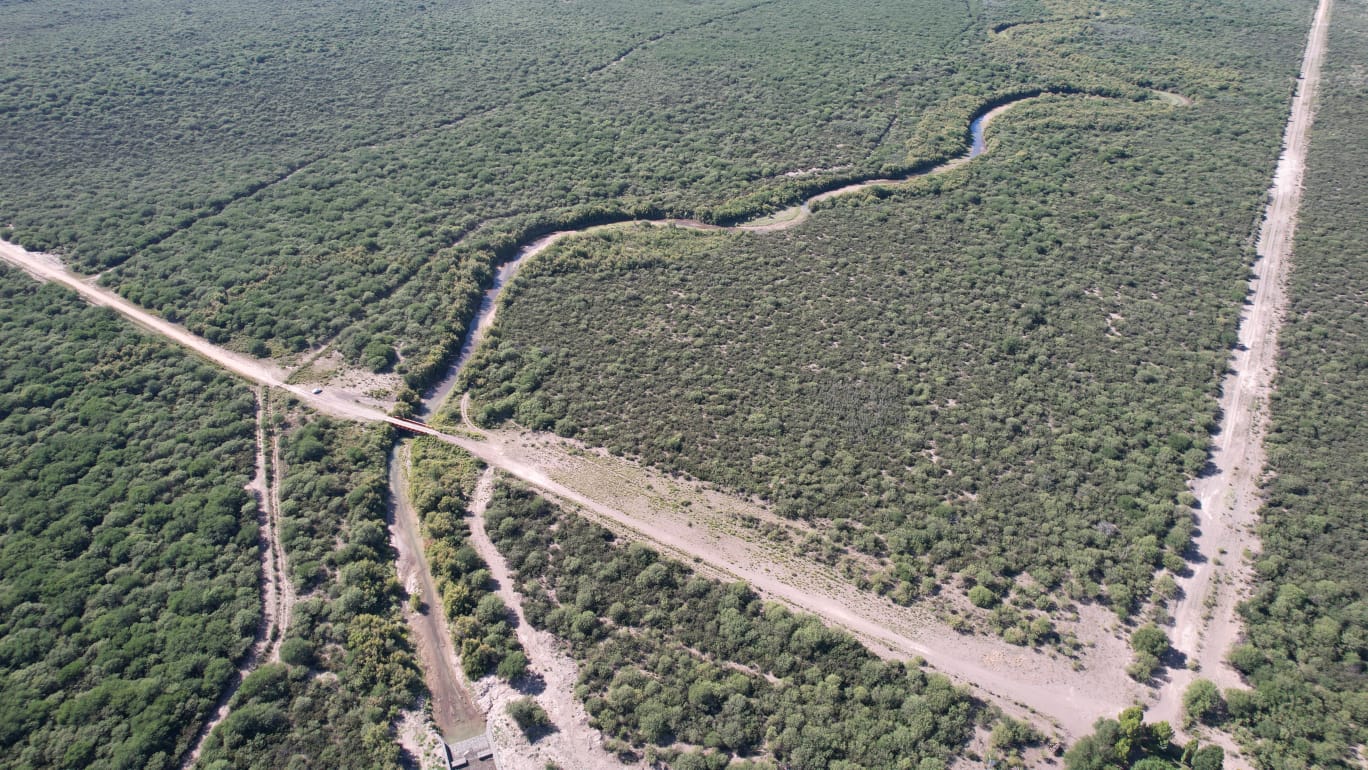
x=1206, y=624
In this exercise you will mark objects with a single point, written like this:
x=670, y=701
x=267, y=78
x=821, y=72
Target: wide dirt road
x=1229, y=495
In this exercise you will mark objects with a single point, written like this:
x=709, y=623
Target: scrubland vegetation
x=993, y=382
x=694, y=672
x=346, y=667
x=128, y=547
x=999, y=372
x=406, y=159
x=1307, y=623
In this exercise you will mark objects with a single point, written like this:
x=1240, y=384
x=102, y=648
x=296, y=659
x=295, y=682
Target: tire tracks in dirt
x=282, y=587
x=277, y=595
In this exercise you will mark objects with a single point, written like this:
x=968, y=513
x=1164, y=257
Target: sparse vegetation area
x=128, y=547
x=692, y=671
x=347, y=667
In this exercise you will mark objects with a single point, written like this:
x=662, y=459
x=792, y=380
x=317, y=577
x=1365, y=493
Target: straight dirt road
x=1229, y=491
x=277, y=596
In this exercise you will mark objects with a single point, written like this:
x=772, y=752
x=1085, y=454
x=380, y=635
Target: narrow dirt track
x=1229, y=491
x=574, y=742
x=284, y=590
x=1019, y=680
x=275, y=608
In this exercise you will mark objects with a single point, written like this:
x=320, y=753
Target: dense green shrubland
x=289, y=209
x=983, y=372
x=128, y=123
x=431, y=122
x=346, y=664
x=694, y=671
x=128, y=547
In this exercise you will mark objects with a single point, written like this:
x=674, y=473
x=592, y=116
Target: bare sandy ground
x=453, y=709
x=1206, y=624
x=419, y=739
x=574, y=743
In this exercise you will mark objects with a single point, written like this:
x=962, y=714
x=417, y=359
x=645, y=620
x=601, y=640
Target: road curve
x=1069, y=703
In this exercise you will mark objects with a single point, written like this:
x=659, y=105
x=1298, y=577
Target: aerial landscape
x=698, y=384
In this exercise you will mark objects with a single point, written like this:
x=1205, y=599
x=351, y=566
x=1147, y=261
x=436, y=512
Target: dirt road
x=453, y=709
x=1018, y=679
x=1229, y=491
x=283, y=597
x=46, y=267
x=615, y=493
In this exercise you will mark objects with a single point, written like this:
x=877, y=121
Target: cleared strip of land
x=1229, y=490
x=277, y=595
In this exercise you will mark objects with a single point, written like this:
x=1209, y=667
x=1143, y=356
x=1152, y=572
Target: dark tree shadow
x=530, y=683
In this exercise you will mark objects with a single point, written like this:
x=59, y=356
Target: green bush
x=530, y=717
x=982, y=597
x=1202, y=703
